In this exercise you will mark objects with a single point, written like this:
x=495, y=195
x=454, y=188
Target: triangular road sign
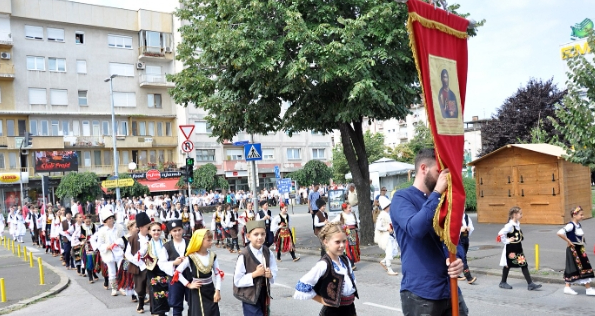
x=253, y=153
x=187, y=130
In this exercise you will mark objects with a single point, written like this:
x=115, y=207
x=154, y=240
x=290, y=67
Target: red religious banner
x=439, y=44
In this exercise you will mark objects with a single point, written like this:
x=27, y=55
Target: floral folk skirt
x=158, y=290
x=515, y=257
x=578, y=266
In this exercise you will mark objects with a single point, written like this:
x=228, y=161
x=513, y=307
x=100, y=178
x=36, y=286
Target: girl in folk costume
x=466, y=230
x=125, y=278
x=247, y=216
x=55, y=234
x=77, y=241
x=171, y=256
x=111, y=246
x=384, y=235
x=320, y=219
x=224, y=226
x=199, y=271
x=331, y=281
x=350, y=222
x=283, y=236
x=187, y=223
x=230, y=225
x=199, y=222
x=17, y=225
x=88, y=257
x=578, y=269
x=156, y=279
x=512, y=254
x=216, y=225
x=34, y=221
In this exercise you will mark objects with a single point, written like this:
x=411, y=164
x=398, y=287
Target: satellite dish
x=132, y=166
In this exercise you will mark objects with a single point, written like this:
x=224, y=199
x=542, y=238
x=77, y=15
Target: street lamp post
x=116, y=162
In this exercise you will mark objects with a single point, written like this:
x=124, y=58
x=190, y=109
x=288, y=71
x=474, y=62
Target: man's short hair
x=425, y=155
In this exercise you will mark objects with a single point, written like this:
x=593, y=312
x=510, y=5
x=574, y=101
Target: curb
x=556, y=278
x=63, y=284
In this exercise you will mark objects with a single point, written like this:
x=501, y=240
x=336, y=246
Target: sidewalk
x=22, y=281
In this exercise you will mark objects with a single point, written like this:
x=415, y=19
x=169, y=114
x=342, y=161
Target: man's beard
x=430, y=182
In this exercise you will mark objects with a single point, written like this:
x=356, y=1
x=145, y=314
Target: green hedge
x=470, y=196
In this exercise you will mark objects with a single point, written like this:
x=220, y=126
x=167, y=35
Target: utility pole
x=254, y=180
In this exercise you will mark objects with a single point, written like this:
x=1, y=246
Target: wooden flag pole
x=454, y=290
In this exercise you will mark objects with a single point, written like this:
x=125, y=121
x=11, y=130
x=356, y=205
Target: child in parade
x=283, y=235
x=55, y=234
x=198, y=218
x=156, y=279
x=110, y=246
x=199, y=272
x=187, y=223
x=331, y=281
x=171, y=256
x=138, y=244
x=17, y=224
x=77, y=241
x=66, y=237
x=255, y=271
x=125, y=278
x=246, y=217
x=466, y=230
x=34, y=222
x=216, y=225
x=384, y=235
x=265, y=214
x=89, y=230
x=320, y=219
x=512, y=254
x=350, y=224
x=230, y=225
x=578, y=269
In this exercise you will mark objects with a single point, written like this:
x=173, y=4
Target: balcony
x=6, y=72
x=39, y=142
x=165, y=141
x=154, y=81
x=84, y=142
x=130, y=141
x=154, y=53
x=5, y=40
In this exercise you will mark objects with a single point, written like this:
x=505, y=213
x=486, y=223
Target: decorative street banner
x=56, y=161
x=438, y=40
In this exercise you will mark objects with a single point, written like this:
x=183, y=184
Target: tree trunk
x=352, y=137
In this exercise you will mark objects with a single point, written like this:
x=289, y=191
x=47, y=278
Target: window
x=97, y=157
x=57, y=64
x=87, y=155
x=205, y=155
x=37, y=96
x=118, y=41
x=35, y=63
x=81, y=66
x=76, y=128
x=32, y=127
x=125, y=159
x=161, y=156
x=65, y=128
x=1, y=161
x=124, y=99
x=235, y=154
x=9, y=127
x=134, y=128
x=293, y=153
x=318, y=153
x=152, y=156
x=86, y=128
x=268, y=154
x=142, y=129
x=56, y=35
x=59, y=97
x=123, y=128
x=202, y=127
x=55, y=128
x=33, y=32
x=107, y=157
x=83, y=98
x=45, y=128
x=122, y=70
x=151, y=128
x=105, y=128
x=159, y=129
x=142, y=157
x=153, y=74
x=2, y=133
x=79, y=38
x=167, y=128
x=12, y=160
x=154, y=100
x=95, y=128
x=153, y=39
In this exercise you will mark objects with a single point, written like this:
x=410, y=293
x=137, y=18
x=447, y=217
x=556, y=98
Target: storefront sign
x=56, y=161
x=571, y=49
x=9, y=178
x=154, y=175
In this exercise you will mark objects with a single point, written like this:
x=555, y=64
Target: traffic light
x=189, y=172
x=28, y=140
x=46, y=183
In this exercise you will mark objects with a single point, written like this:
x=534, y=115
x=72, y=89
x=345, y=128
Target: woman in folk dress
x=348, y=219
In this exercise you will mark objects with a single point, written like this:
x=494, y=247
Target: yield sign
x=187, y=130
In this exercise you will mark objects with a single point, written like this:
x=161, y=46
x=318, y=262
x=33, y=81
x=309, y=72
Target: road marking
x=382, y=306
x=283, y=285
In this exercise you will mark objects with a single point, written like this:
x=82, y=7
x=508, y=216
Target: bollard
x=293, y=234
x=2, y=291
x=41, y=278
x=30, y=259
x=536, y=256
x=18, y=250
x=13, y=249
x=25, y=253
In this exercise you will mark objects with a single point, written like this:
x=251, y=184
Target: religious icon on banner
x=446, y=96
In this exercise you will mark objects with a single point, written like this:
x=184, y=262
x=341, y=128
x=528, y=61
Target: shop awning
x=160, y=185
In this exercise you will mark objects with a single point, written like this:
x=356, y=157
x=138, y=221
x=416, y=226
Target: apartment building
x=54, y=58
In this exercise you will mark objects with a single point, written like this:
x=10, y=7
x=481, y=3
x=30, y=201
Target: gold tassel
x=436, y=25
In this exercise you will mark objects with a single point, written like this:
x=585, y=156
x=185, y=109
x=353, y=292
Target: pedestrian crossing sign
x=253, y=152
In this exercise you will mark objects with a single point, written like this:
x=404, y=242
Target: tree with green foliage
x=333, y=63
x=314, y=172
x=375, y=149
x=82, y=186
x=576, y=117
x=205, y=177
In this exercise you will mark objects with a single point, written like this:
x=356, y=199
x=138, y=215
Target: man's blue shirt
x=423, y=255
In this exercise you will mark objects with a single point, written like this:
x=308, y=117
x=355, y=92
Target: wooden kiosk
x=535, y=177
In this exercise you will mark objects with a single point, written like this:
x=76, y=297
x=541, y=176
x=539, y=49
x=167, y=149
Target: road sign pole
x=254, y=181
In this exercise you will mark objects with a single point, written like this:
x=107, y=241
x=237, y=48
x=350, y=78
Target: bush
x=470, y=196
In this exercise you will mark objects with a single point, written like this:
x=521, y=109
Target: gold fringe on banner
x=414, y=17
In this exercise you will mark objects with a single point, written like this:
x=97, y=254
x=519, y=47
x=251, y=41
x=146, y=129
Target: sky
x=520, y=40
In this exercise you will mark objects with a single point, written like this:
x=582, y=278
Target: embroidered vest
x=322, y=216
x=172, y=254
x=251, y=294
x=330, y=284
